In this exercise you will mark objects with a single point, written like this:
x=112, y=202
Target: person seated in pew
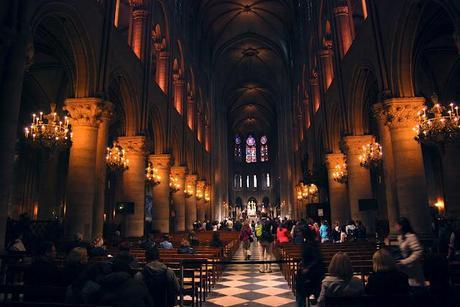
x=75, y=264
x=76, y=242
x=166, y=243
x=44, y=271
x=340, y=282
x=216, y=241
x=193, y=239
x=149, y=242
x=17, y=246
x=160, y=280
x=386, y=279
x=85, y=288
x=97, y=247
x=310, y=274
x=119, y=288
x=185, y=247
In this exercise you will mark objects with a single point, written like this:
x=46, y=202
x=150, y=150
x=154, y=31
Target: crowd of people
x=407, y=270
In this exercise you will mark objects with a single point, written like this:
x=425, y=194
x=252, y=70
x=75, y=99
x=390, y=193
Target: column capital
x=178, y=171
x=354, y=143
x=178, y=81
x=83, y=111
x=403, y=112
x=164, y=54
x=333, y=159
x=107, y=110
x=378, y=111
x=133, y=144
x=341, y=10
x=161, y=161
x=140, y=13
x=191, y=179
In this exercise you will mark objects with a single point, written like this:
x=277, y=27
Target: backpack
x=267, y=235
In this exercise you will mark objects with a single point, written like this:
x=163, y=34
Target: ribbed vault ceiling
x=249, y=40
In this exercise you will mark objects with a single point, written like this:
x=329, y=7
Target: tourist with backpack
x=266, y=242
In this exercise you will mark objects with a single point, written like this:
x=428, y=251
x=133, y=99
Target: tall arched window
x=251, y=151
x=238, y=154
x=264, y=148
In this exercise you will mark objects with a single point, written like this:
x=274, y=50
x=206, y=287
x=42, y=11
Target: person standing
x=266, y=241
x=245, y=238
x=412, y=253
x=324, y=232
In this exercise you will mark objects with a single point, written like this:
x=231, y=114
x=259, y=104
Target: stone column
x=48, y=202
x=388, y=164
x=327, y=66
x=160, y=193
x=179, y=88
x=101, y=168
x=14, y=45
x=345, y=35
x=190, y=202
x=134, y=184
x=190, y=112
x=200, y=205
x=338, y=198
x=179, y=197
x=315, y=92
x=139, y=25
x=81, y=180
x=359, y=179
x=450, y=172
x=162, y=70
x=408, y=161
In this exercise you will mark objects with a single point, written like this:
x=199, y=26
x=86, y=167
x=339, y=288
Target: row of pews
x=360, y=254
x=198, y=272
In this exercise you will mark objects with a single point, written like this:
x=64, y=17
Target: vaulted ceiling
x=249, y=43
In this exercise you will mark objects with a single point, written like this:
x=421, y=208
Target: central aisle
x=244, y=285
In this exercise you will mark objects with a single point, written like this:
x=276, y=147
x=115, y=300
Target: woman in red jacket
x=282, y=234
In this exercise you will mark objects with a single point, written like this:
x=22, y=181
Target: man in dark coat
x=120, y=288
x=160, y=280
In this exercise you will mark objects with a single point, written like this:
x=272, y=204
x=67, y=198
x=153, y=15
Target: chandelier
x=199, y=192
x=115, y=158
x=307, y=192
x=438, y=124
x=340, y=173
x=151, y=175
x=371, y=155
x=49, y=131
x=188, y=190
x=207, y=198
x=174, y=184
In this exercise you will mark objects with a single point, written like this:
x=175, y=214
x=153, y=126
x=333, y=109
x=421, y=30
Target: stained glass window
x=264, y=148
x=238, y=154
x=251, y=151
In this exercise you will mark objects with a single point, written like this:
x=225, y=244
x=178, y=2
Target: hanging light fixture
x=151, y=175
x=174, y=184
x=438, y=124
x=340, y=173
x=299, y=191
x=199, y=192
x=207, y=198
x=115, y=157
x=188, y=190
x=49, y=131
x=371, y=155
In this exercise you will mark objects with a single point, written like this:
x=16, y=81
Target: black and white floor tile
x=244, y=285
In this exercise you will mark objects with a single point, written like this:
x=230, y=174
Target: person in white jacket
x=412, y=253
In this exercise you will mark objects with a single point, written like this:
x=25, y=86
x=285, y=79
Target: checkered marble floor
x=244, y=285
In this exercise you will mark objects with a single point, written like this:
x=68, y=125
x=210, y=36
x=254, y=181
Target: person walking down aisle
x=266, y=242
x=412, y=253
x=246, y=239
